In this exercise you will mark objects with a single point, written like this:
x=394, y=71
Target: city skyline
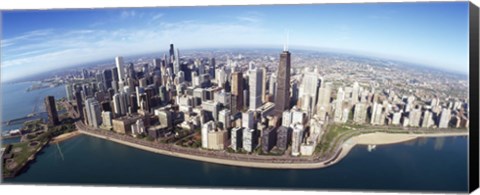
x=434, y=34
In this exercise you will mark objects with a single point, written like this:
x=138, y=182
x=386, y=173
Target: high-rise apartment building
x=93, y=112
x=51, y=109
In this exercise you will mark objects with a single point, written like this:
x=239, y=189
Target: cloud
x=29, y=36
x=248, y=19
x=157, y=16
x=127, y=14
x=59, y=48
x=251, y=17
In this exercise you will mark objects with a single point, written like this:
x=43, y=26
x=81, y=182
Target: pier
x=21, y=119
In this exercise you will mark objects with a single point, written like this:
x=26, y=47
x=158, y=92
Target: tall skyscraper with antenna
x=282, y=96
x=172, y=53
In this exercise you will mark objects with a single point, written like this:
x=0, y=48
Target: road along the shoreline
x=377, y=138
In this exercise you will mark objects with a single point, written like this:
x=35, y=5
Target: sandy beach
x=364, y=139
x=64, y=137
x=380, y=138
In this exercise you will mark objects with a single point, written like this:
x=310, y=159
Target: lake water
x=427, y=164
x=17, y=102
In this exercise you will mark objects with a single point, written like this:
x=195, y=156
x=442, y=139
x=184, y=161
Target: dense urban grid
x=257, y=102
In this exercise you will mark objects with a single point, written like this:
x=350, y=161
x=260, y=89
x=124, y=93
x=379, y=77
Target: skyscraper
x=51, y=110
x=176, y=65
x=157, y=63
x=172, y=53
x=247, y=120
x=360, y=113
x=297, y=137
x=69, y=92
x=308, y=90
x=282, y=96
x=445, y=117
x=107, y=79
x=323, y=102
x=255, y=78
x=264, y=84
x=237, y=88
x=339, y=105
x=206, y=127
x=272, y=84
x=93, y=112
x=121, y=71
x=78, y=99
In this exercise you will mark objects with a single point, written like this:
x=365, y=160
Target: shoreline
x=376, y=138
x=64, y=137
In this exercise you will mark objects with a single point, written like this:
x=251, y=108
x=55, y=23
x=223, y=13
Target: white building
x=224, y=118
x=93, y=112
x=339, y=106
x=247, y=120
x=255, y=78
x=286, y=118
x=323, y=102
x=355, y=92
x=236, y=138
x=120, y=69
x=444, y=118
x=427, y=119
x=138, y=127
x=249, y=139
x=297, y=116
x=360, y=113
x=206, y=127
x=107, y=119
x=396, y=118
x=414, y=117
x=297, y=137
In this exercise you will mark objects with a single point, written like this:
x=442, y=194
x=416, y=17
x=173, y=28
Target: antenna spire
x=285, y=44
x=288, y=37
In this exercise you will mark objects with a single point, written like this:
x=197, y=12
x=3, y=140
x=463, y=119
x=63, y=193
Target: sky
x=432, y=34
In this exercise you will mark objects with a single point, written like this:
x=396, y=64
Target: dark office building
x=269, y=139
x=282, y=98
x=131, y=71
x=172, y=53
x=107, y=79
x=187, y=72
x=133, y=103
x=284, y=135
x=114, y=73
x=149, y=92
x=157, y=63
x=212, y=69
x=51, y=109
x=144, y=102
x=106, y=106
x=237, y=88
x=78, y=98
